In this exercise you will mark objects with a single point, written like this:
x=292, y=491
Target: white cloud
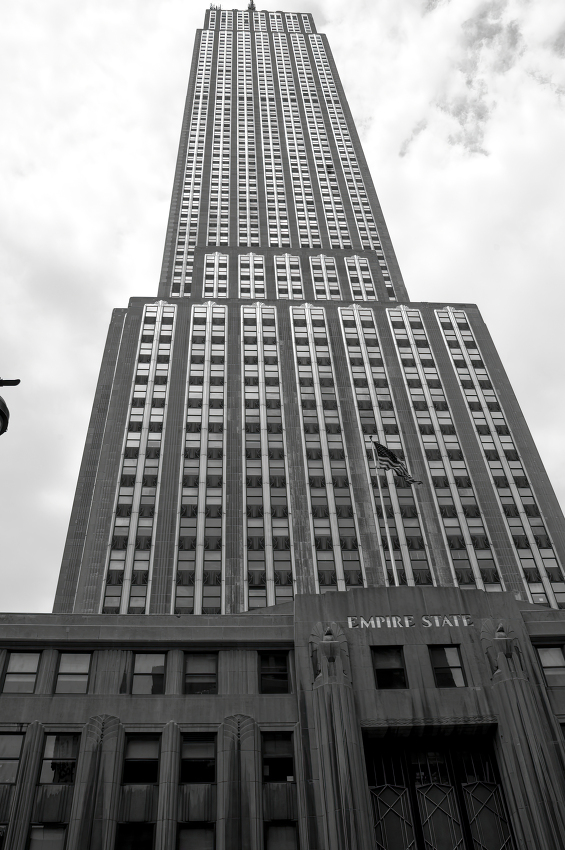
x=90, y=109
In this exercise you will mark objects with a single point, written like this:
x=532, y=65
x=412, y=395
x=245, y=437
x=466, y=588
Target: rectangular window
x=149, y=673
x=198, y=758
x=133, y=836
x=197, y=836
x=448, y=669
x=201, y=673
x=47, y=838
x=10, y=750
x=59, y=760
x=21, y=673
x=141, y=761
x=278, y=757
x=388, y=663
x=273, y=673
x=553, y=662
x=72, y=677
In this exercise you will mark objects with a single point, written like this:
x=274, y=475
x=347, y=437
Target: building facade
x=259, y=638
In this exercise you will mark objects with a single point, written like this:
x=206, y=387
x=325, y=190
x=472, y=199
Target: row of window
x=288, y=277
x=276, y=20
x=147, y=675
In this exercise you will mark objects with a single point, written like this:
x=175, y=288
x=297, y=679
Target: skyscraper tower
x=233, y=540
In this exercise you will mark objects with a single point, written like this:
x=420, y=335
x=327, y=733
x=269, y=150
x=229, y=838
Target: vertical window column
x=192, y=187
x=275, y=191
x=397, y=517
x=288, y=277
x=248, y=209
x=360, y=279
x=533, y=548
x=334, y=528
x=308, y=226
x=201, y=549
x=463, y=526
x=216, y=275
x=129, y=561
x=268, y=537
x=325, y=278
x=251, y=276
x=218, y=216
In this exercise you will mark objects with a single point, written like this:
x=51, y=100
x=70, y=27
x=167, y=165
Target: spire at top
x=251, y=7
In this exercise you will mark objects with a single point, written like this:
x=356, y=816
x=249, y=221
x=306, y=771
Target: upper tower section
x=270, y=164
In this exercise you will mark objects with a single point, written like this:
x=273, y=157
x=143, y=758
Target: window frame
x=547, y=681
x=73, y=759
x=10, y=759
x=204, y=738
x=135, y=675
x=7, y=673
x=374, y=652
x=260, y=655
x=209, y=692
x=457, y=647
x=141, y=736
x=58, y=673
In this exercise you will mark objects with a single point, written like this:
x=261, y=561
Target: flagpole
x=385, y=518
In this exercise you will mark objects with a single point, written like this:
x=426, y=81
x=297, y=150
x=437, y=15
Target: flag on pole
x=388, y=460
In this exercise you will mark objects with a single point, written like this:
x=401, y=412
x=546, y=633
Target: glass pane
x=388, y=658
x=196, y=839
x=149, y=663
x=445, y=677
x=281, y=837
x=67, y=683
x=23, y=662
x=57, y=772
x=201, y=663
x=74, y=662
x=142, y=748
x=198, y=749
x=552, y=657
x=8, y=771
x=19, y=683
x=555, y=677
x=201, y=684
x=148, y=684
x=61, y=746
x=135, y=836
x=11, y=746
x=452, y=656
x=47, y=838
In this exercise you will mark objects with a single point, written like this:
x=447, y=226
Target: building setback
x=260, y=640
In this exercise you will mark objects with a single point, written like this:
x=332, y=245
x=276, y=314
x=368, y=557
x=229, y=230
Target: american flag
x=388, y=460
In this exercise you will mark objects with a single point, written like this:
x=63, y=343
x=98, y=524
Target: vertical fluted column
x=46, y=672
x=94, y=812
x=175, y=672
x=343, y=792
x=24, y=792
x=110, y=672
x=239, y=824
x=167, y=805
x=529, y=744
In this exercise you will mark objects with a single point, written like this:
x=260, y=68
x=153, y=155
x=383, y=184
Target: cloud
x=419, y=128
x=557, y=44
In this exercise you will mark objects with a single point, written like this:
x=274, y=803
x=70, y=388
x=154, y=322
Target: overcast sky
x=461, y=110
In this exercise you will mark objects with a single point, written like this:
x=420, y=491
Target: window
x=448, y=670
x=21, y=673
x=198, y=758
x=201, y=673
x=47, y=838
x=148, y=673
x=141, y=762
x=273, y=673
x=197, y=836
x=278, y=757
x=553, y=662
x=134, y=836
x=72, y=677
x=59, y=760
x=10, y=749
x=388, y=663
